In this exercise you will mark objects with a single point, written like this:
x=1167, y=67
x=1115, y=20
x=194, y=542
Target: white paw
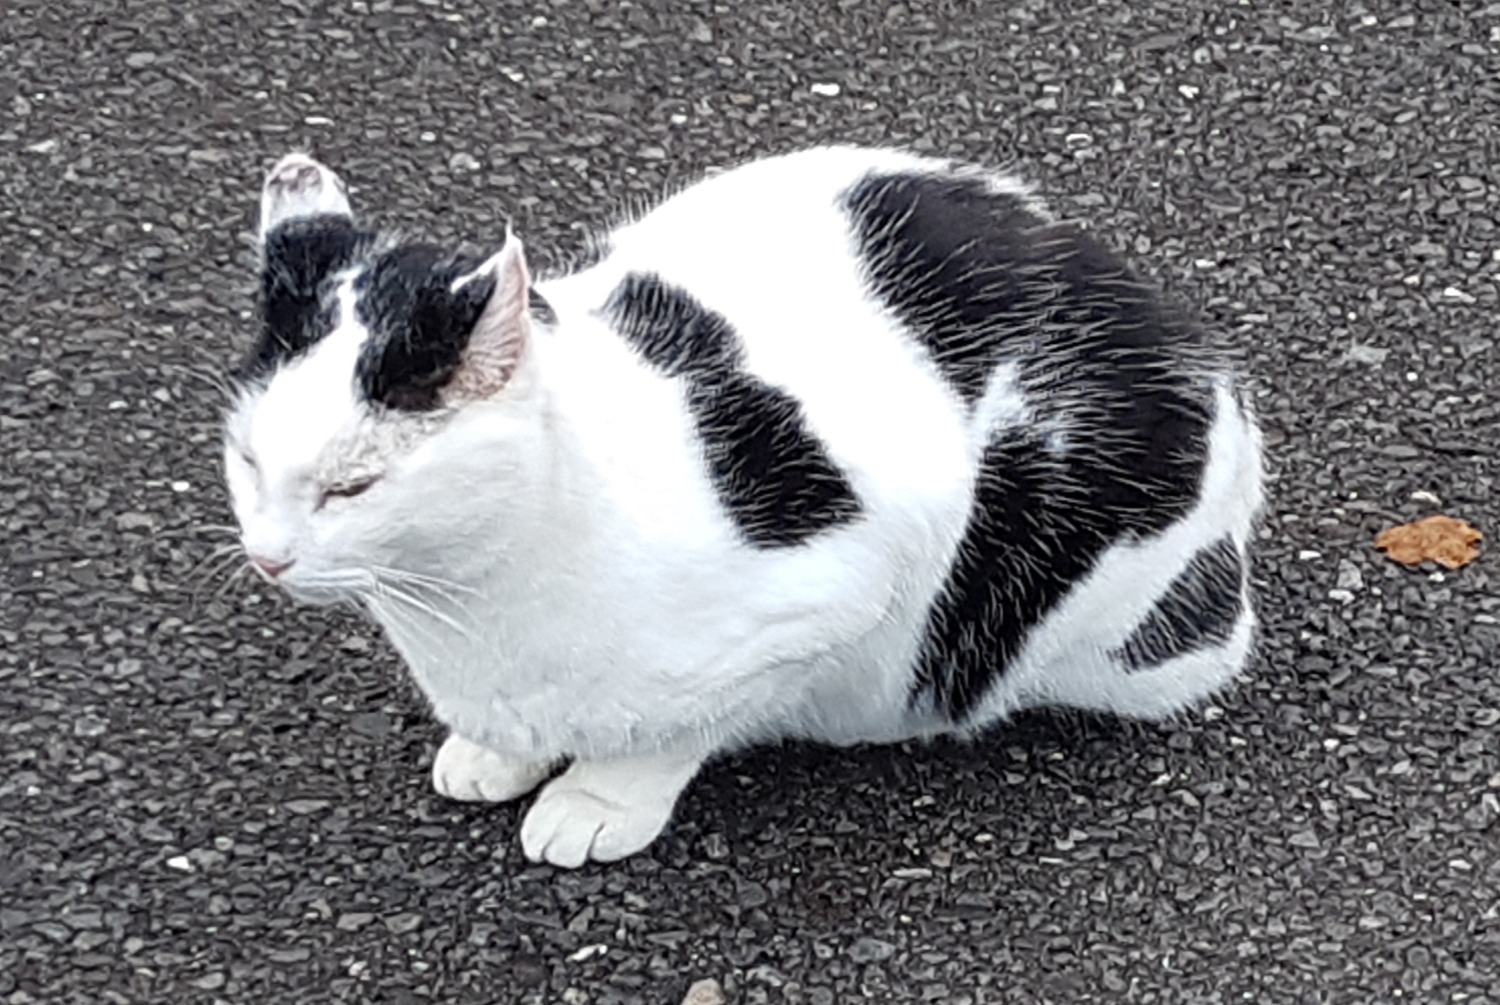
x=604, y=811
x=298, y=187
x=471, y=773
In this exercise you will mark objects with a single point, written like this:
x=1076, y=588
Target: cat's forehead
x=359, y=330
x=307, y=265
x=309, y=400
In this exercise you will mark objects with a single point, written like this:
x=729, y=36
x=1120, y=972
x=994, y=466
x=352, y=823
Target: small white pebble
x=181, y=486
x=1341, y=595
x=1309, y=555
x=826, y=90
x=318, y=120
x=180, y=863
x=1423, y=496
x=1187, y=91
x=1454, y=293
x=678, y=119
x=589, y=952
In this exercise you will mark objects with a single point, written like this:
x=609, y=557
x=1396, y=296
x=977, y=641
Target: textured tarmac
x=209, y=795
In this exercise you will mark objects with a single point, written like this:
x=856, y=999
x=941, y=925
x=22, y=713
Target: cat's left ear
x=300, y=188
x=501, y=336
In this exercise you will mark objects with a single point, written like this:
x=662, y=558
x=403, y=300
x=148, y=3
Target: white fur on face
x=287, y=443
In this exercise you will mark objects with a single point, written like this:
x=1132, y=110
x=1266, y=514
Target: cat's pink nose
x=270, y=566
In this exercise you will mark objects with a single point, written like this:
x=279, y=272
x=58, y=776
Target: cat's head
x=339, y=445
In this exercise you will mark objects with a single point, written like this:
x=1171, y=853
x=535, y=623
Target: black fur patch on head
x=1199, y=609
x=979, y=280
x=419, y=327
x=300, y=257
x=772, y=475
x=541, y=312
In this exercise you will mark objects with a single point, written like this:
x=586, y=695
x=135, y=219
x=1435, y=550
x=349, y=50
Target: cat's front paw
x=604, y=811
x=468, y=772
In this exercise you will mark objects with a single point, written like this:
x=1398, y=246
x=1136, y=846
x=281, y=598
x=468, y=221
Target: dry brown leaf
x=1449, y=542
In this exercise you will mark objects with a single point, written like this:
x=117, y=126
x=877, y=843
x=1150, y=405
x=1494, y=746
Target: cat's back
x=748, y=288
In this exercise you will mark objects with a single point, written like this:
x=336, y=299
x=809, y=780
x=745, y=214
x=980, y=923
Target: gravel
x=208, y=795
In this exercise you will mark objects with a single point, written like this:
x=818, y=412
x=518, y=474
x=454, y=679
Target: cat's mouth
x=321, y=590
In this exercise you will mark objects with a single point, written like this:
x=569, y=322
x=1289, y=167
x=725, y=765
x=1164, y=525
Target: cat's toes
x=468, y=772
x=569, y=825
x=605, y=810
x=297, y=187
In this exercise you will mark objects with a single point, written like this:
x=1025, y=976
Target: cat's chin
x=319, y=596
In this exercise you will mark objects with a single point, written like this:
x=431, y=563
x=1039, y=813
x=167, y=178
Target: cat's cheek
x=242, y=492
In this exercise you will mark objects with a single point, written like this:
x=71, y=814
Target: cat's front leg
x=605, y=810
x=466, y=771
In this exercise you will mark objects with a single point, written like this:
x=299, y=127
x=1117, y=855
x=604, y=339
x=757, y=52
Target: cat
x=847, y=445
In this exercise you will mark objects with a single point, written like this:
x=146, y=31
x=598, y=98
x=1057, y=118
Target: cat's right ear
x=501, y=335
x=300, y=188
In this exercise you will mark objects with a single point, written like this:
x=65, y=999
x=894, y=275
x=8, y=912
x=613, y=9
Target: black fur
x=980, y=281
x=950, y=259
x=299, y=258
x=540, y=310
x=1199, y=609
x=773, y=477
x=419, y=328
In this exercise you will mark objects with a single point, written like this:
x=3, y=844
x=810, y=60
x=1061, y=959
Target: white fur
x=583, y=595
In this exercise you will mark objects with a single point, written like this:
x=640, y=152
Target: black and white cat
x=847, y=445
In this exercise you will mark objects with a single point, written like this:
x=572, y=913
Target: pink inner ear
x=503, y=331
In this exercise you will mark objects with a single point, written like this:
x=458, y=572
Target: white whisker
x=424, y=606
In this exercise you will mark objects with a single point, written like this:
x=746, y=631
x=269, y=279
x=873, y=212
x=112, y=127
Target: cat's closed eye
x=347, y=490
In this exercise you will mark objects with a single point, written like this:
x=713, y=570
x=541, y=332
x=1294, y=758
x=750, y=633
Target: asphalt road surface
x=210, y=795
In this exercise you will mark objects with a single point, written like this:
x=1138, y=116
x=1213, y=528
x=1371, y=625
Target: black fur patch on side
x=1117, y=388
x=419, y=328
x=1199, y=609
x=772, y=475
x=300, y=257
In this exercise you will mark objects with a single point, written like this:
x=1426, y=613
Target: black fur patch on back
x=419, y=328
x=772, y=475
x=949, y=258
x=300, y=257
x=980, y=281
x=1200, y=608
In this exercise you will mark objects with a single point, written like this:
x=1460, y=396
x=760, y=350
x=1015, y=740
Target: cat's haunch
x=846, y=445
